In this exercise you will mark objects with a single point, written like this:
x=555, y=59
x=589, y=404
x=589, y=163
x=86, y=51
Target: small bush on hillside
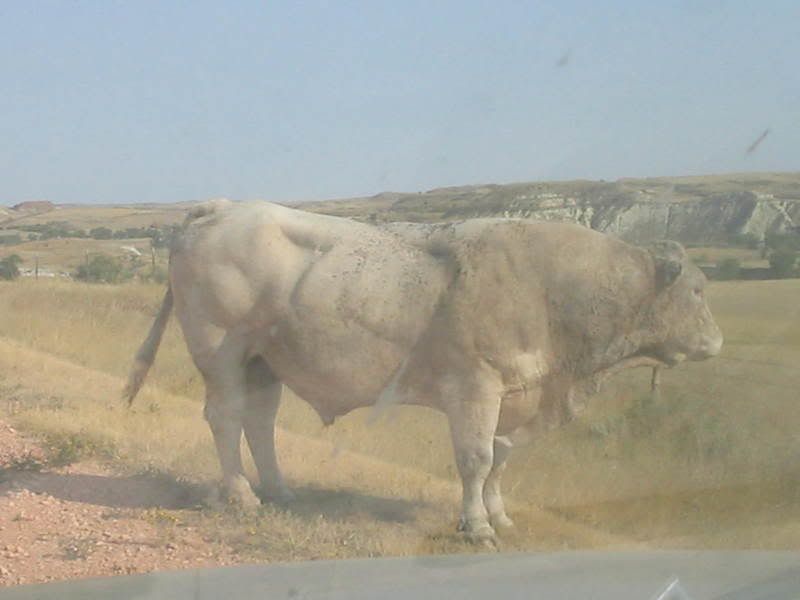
x=29, y=461
x=52, y=229
x=102, y=269
x=130, y=233
x=782, y=263
x=9, y=239
x=9, y=267
x=745, y=240
x=728, y=268
x=67, y=448
x=693, y=433
x=101, y=233
x=785, y=242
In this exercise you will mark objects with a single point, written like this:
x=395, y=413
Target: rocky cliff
x=702, y=209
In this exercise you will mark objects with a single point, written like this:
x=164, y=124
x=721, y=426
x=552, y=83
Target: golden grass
x=65, y=255
x=349, y=504
x=710, y=465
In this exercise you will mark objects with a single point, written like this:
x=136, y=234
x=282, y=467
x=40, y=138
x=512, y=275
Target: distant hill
x=34, y=206
x=696, y=209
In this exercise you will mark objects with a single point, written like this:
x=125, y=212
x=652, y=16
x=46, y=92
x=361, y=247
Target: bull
x=498, y=323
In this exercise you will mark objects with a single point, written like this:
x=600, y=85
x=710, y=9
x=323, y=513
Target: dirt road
x=84, y=521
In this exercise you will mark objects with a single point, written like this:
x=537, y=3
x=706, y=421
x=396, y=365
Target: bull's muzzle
x=709, y=346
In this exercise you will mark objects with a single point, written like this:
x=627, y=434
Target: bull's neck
x=639, y=333
x=621, y=348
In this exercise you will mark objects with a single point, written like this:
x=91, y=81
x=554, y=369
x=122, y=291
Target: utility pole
x=36, y=267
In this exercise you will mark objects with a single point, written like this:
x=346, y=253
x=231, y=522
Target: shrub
x=746, y=240
x=9, y=267
x=788, y=242
x=782, y=263
x=102, y=269
x=52, y=229
x=101, y=233
x=728, y=268
x=67, y=448
x=133, y=233
x=10, y=238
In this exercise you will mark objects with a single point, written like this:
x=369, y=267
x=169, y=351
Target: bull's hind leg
x=226, y=400
x=263, y=399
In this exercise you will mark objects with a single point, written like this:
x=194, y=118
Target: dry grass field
x=712, y=255
x=62, y=256
x=350, y=502
x=88, y=216
x=712, y=463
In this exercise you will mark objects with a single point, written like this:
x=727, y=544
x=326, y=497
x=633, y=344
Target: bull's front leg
x=492, y=497
x=473, y=423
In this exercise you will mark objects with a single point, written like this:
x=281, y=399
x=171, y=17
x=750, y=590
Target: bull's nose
x=711, y=346
x=715, y=347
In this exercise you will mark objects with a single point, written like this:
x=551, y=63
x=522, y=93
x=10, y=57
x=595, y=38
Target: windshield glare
x=284, y=283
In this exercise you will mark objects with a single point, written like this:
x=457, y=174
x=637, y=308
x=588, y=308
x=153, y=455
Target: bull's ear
x=668, y=259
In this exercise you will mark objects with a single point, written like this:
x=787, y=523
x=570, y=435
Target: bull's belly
x=335, y=369
x=518, y=408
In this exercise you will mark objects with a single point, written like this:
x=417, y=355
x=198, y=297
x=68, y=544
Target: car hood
x=695, y=575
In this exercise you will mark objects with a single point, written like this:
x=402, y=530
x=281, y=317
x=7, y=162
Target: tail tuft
x=135, y=380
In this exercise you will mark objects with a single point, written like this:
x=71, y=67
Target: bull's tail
x=147, y=351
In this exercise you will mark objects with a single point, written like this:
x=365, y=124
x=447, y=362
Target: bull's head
x=679, y=319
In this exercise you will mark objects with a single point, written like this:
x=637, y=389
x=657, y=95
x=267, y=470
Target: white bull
x=494, y=322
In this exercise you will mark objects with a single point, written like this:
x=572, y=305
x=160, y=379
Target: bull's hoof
x=282, y=495
x=501, y=521
x=478, y=532
x=239, y=493
x=247, y=501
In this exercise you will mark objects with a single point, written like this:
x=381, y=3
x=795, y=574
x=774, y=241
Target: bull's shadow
x=114, y=491
x=338, y=504
x=143, y=491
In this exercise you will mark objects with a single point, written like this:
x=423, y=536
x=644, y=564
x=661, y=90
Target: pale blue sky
x=141, y=101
